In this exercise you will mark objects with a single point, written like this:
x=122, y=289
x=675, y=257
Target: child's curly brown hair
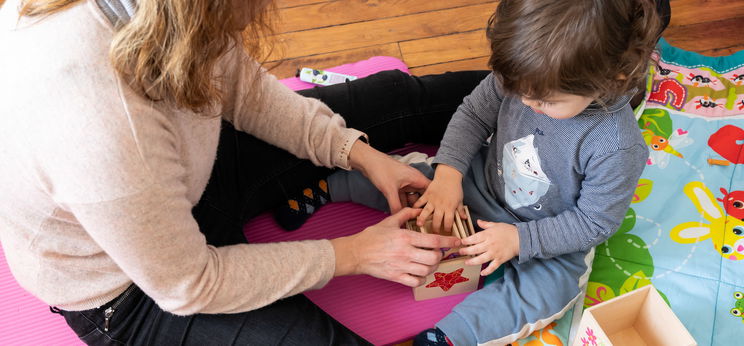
x=594, y=48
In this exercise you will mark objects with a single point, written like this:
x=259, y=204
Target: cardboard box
x=637, y=318
x=452, y=276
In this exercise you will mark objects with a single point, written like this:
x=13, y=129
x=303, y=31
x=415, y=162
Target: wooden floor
x=434, y=36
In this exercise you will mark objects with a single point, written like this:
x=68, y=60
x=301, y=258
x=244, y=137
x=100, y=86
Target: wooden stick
x=423, y=229
x=409, y=225
x=461, y=232
x=471, y=229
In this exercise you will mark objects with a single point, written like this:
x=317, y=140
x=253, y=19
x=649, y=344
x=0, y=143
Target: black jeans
x=251, y=176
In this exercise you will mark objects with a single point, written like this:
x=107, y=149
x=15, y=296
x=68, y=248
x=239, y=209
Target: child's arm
x=468, y=130
x=604, y=198
x=471, y=125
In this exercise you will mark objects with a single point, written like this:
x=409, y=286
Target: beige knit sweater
x=97, y=183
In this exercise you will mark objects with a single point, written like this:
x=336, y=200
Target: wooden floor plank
x=295, y=3
x=461, y=65
x=707, y=36
x=403, y=28
x=688, y=12
x=289, y=67
x=340, y=12
x=441, y=49
x=723, y=51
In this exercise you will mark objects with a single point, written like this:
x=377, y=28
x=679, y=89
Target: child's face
x=559, y=105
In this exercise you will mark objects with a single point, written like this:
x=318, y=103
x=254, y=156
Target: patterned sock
x=297, y=210
x=432, y=337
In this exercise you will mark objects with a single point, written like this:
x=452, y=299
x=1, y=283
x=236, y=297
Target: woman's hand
x=392, y=178
x=497, y=242
x=442, y=199
x=388, y=252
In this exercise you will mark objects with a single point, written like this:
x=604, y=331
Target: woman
x=114, y=113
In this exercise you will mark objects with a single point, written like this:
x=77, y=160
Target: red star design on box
x=446, y=281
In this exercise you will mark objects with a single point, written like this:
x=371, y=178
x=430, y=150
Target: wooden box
x=637, y=318
x=452, y=276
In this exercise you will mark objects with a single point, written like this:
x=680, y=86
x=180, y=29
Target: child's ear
x=621, y=76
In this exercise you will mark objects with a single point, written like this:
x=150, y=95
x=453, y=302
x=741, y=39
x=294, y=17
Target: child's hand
x=497, y=242
x=441, y=200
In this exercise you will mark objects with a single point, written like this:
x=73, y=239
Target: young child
x=545, y=151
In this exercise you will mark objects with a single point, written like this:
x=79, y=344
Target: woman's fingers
x=418, y=269
x=393, y=199
x=433, y=241
x=403, y=199
x=411, y=198
x=410, y=280
x=425, y=257
x=398, y=219
x=418, y=181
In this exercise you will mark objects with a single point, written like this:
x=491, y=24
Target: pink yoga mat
x=25, y=320
x=382, y=312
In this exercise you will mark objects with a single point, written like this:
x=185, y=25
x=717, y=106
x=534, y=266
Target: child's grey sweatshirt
x=569, y=181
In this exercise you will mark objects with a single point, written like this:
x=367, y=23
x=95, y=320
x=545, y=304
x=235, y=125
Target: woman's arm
x=257, y=103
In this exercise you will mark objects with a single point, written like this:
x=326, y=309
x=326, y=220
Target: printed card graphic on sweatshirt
x=524, y=180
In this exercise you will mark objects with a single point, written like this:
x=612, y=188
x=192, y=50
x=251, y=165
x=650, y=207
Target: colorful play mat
x=684, y=231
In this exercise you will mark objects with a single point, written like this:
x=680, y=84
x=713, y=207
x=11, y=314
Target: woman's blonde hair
x=169, y=49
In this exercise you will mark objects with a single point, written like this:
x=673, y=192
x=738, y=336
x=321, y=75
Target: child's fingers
x=486, y=224
x=490, y=268
x=480, y=259
x=421, y=201
x=425, y=213
x=474, y=239
x=436, y=222
x=476, y=249
x=449, y=219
